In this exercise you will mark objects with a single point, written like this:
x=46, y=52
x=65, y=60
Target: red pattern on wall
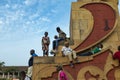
x=98, y=61
x=103, y=15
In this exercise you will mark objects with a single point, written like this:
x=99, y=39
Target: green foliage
x=10, y=69
x=2, y=64
x=3, y=79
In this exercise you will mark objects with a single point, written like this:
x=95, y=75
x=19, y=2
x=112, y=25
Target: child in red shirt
x=116, y=55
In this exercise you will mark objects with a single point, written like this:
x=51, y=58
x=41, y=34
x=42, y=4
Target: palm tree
x=1, y=65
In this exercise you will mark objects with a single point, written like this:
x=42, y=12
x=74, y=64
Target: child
x=55, y=45
x=61, y=33
x=45, y=44
x=116, y=55
x=30, y=63
x=23, y=76
x=97, y=49
x=67, y=51
x=61, y=74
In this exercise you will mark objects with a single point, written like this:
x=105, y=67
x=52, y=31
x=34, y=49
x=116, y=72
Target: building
x=12, y=71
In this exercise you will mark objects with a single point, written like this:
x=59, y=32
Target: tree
x=1, y=65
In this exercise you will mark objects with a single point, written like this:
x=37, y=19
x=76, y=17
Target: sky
x=23, y=23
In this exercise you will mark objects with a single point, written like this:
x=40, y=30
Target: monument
x=91, y=22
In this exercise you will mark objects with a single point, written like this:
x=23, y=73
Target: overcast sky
x=23, y=23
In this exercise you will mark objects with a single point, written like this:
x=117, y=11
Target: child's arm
x=62, y=51
x=62, y=54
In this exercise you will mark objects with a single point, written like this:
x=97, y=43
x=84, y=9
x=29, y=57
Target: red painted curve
x=101, y=12
x=98, y=61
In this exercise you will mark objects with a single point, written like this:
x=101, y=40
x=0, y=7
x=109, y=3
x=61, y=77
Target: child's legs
x=54, y=45
x=74, y=54
x=57, y=42
x=46, y=52
x=69, y=54
x=46, y=49
x=29, y=72
x=43, y=52
x=86, y=54
x=60, y=39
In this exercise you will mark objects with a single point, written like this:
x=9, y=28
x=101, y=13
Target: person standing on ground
x=30, y=63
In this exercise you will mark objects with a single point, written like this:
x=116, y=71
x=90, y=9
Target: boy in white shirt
x=67, y=51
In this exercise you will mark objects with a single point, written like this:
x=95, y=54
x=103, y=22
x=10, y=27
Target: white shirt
x=66, y=50
x=27, y=78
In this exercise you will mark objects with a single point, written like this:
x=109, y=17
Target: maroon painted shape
x=100, y=12
x=98, y=61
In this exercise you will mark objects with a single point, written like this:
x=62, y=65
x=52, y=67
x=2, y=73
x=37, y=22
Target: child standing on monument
x=45, y=44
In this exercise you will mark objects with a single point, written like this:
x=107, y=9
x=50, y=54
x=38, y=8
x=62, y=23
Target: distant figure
x=67, y=51
x=95, y=50
x=23, y=76
x=30, y=63
x=116, y=55
x=45, y=44
x=55, y=45
x=61, y=74
x=62, y=34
